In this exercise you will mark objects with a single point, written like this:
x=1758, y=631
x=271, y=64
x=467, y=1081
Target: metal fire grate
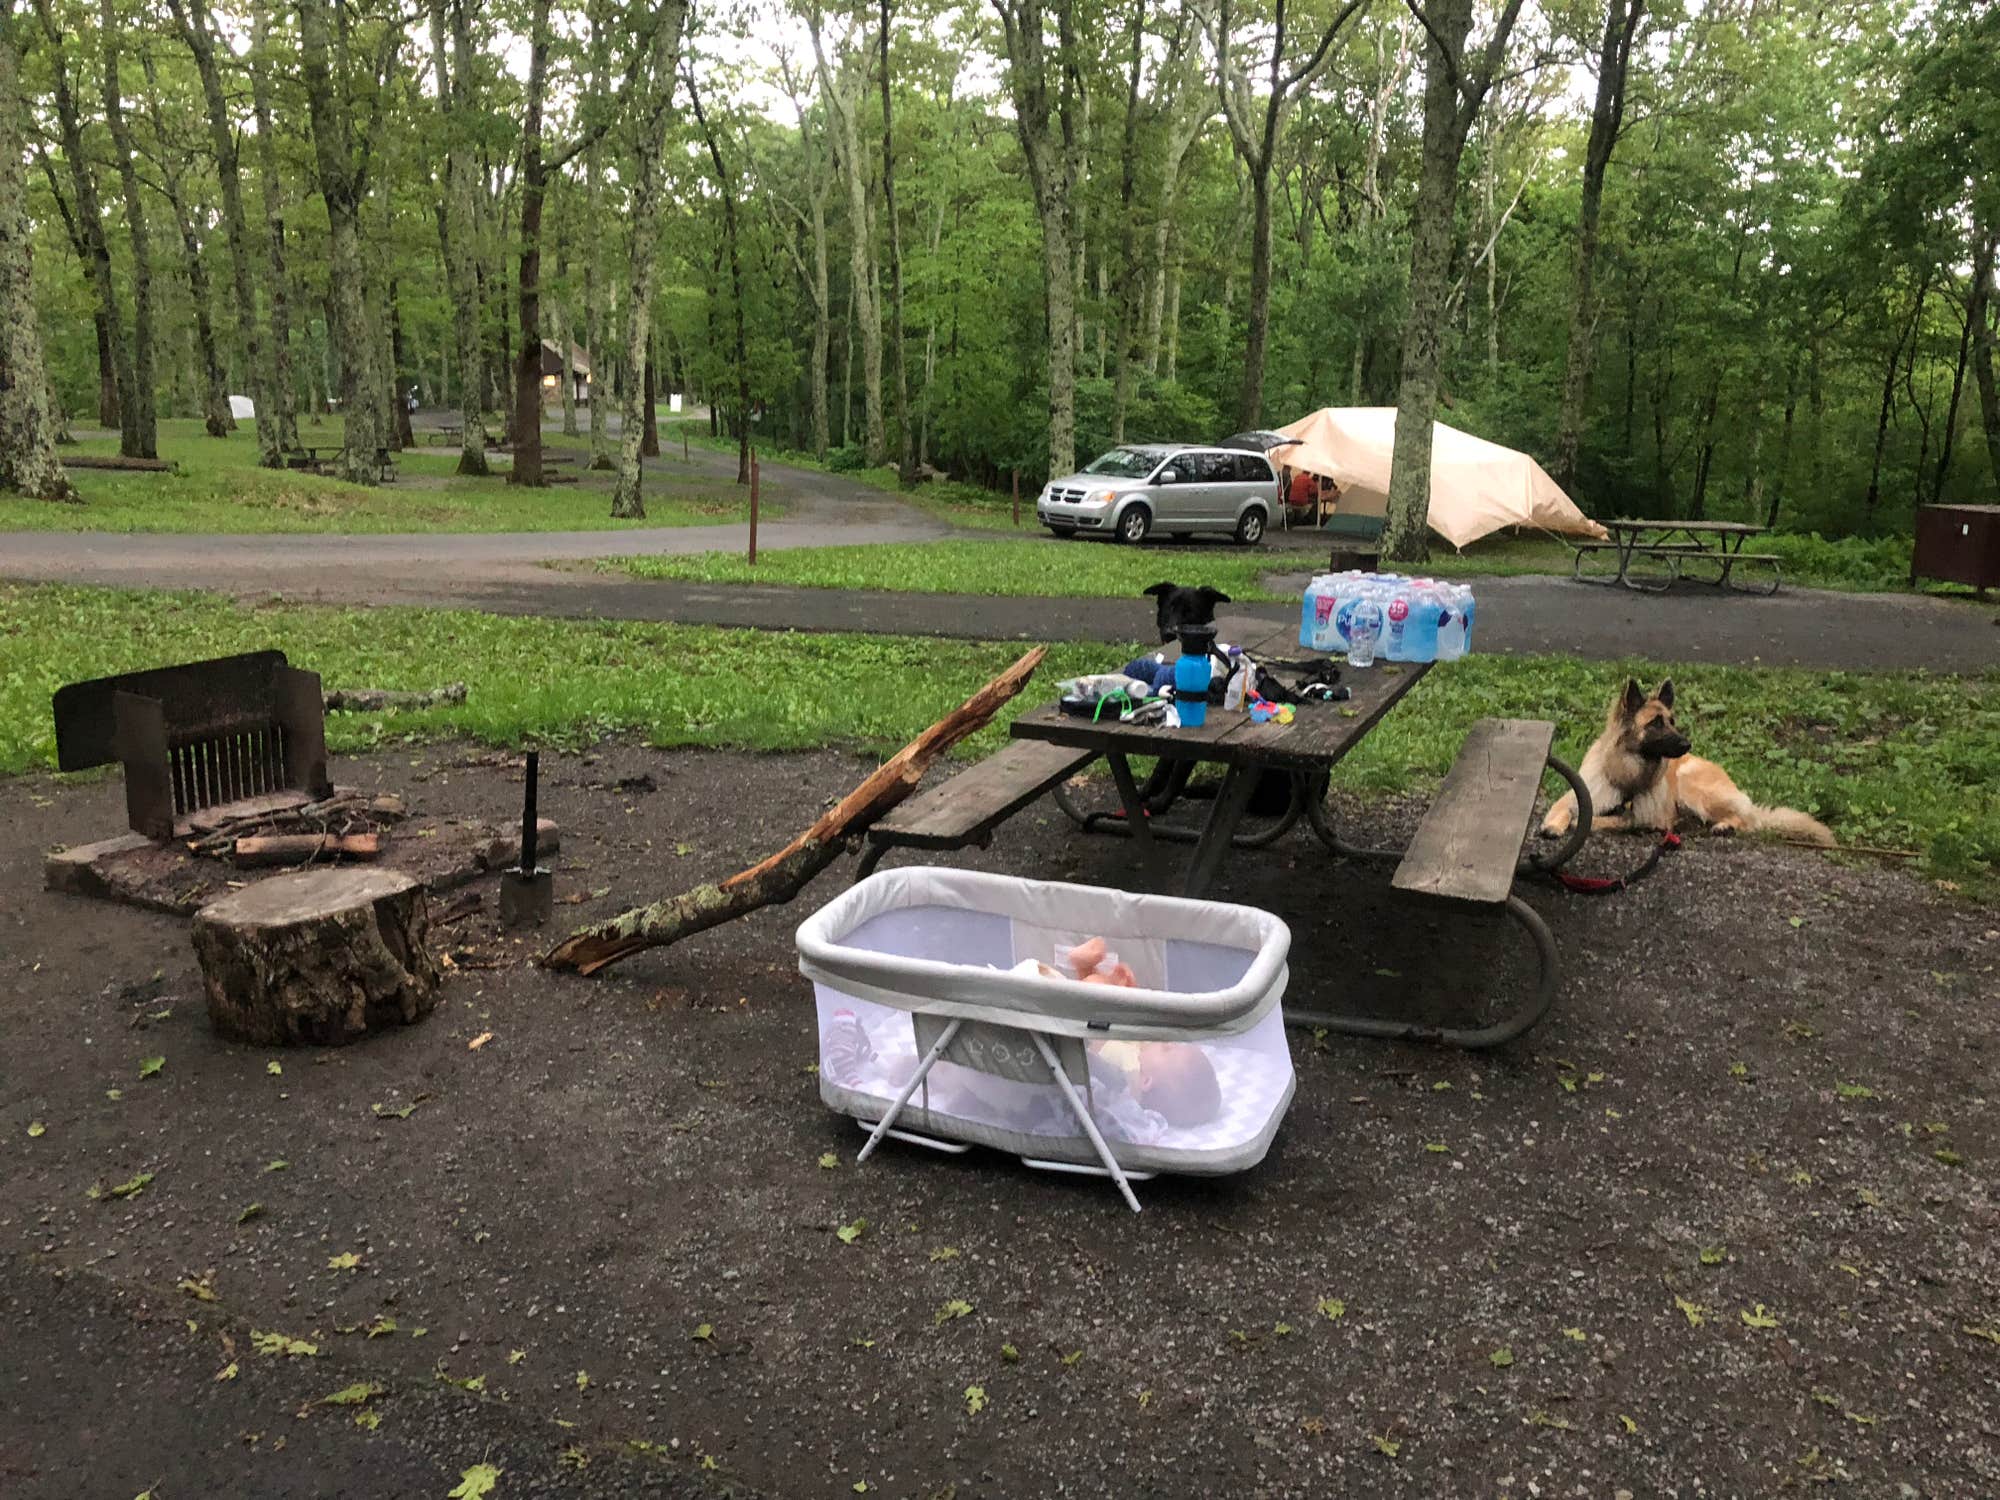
x=199, y=735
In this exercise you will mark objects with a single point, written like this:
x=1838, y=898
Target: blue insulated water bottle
x=1191, y=675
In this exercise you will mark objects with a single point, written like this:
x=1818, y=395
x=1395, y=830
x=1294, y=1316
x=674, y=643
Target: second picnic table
x=1678, y=543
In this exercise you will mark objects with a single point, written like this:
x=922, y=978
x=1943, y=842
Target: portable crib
x=928, y=1033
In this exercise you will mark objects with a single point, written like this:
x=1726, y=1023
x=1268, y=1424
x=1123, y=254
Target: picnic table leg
x=1136, y=816
x=1230, y=803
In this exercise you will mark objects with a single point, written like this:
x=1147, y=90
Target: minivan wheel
x=1250, y=529
x=1134, y=524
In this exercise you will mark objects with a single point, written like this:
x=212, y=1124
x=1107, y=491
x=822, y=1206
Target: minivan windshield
x=1124, y=463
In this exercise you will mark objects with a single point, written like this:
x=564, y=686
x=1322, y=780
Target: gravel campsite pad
x=1723, y=1225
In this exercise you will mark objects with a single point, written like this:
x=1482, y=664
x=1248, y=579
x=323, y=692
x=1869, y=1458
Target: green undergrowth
x=1078, y=570
x=217, y=488
x=1902, y=760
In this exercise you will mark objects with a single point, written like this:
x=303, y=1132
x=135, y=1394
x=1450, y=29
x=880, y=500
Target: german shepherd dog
x=1641, y=764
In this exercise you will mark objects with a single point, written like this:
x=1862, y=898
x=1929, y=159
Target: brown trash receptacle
x=1958, y=544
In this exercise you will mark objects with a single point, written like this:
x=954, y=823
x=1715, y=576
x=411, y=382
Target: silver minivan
x=1178, y=488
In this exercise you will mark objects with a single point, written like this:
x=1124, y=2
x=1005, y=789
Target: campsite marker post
x=753, y=507
x=1017, y=497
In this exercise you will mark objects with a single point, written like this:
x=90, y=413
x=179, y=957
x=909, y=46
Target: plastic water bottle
x=1364, y=626
x=1454, y=636
x=1316, y=612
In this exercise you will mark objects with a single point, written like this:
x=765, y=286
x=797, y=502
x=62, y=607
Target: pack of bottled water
x=1389, y=615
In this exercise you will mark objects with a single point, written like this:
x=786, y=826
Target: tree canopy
x=1729, y=259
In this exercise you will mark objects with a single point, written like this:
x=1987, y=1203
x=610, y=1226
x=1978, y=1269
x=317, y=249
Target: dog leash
x=1597, y=885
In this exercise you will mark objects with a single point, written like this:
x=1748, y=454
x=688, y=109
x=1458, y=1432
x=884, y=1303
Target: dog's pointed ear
x=1634, y=698
x=1666, y=693
x=1158, y=590
x=1213, y=597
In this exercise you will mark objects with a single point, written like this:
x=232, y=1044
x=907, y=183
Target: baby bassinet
x=925, y=1025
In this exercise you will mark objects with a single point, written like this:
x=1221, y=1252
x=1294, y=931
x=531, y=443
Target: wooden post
x=1017, y=497
x=753, y=507
x=684, y=445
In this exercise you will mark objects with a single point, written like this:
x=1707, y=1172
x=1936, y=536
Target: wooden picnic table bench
x=445, y=436
x=1678, y=543
x=318, y=458
x=965, y=809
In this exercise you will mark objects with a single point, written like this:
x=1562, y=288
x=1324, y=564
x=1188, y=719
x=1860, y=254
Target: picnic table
x=1678, y=543
x=1467, y=852
x=318, y=458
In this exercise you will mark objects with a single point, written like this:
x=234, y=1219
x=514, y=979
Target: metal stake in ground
x=1017, y=497
x=528, y=892
x=753, y=507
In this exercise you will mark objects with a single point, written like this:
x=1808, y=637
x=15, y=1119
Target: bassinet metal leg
x=1082, y=1118
x=916, y=1082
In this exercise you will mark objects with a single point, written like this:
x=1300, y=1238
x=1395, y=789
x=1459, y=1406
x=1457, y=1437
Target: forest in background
x=1732, y=259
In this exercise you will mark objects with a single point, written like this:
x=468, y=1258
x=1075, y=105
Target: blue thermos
x=1191, y=675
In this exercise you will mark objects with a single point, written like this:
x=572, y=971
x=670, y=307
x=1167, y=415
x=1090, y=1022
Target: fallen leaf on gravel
x=862, y=1343
x=860, y=1486
x=1145, y=1399
x=849, y=1233
x=1713, y=1255
x=1801, y=1179
x=1313, y=1426
x=1013, y=1356
x=479, y=1041
x=368, y=1420
x=1283, y=1330
x=250, y=1212
x=227, y=1372
x=345, y=1261
x=975, y=1400
x=1692, y=1310
x=36, y=1129
x=401, y=1112
x=1991, y=1335
x=475, y=1483
x=275, y=1069
x=583, y=1380
x=1501, y=1357
x=148, y=1066
x=828, y=1161
x=1576, y=1334
x=1739, y=1070
x=703, y=1332
x=381, y=1326
x=353, y=1395
x=1441, y=1087
x=515, y=1356
x=1070, y=1359
x=278, y=1343
x=1387, y=1447
x=944, y=1252
x=1631, y=1427
x=956, y=1308
x=278, y=1164
x=1857, y=1418
x=1758, y=1319
x=1796, y=921
x=132, y=1187
x=473, y=1383
x=1949, y=1157
x=1332, y=1308
x=1854, y=1091
x=200, y=1290
x=1543, y=1419
x=1438, y=1146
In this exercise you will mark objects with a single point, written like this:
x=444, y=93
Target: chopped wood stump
x=317, y=958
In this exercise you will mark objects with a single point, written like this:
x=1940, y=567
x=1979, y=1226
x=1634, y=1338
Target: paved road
x=506, y=573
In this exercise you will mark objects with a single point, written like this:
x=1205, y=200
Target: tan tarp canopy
x=1476, y=486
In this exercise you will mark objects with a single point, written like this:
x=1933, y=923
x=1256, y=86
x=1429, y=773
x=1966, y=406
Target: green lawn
x=1899, y=760
x=219, y=489
x=1076, y=570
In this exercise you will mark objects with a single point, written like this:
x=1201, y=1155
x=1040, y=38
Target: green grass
x=1076, y=571
x=1899, y=760
x=218, y=488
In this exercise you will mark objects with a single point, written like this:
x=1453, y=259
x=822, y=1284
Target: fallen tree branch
x=781, y=877
x=117, y=461
x=375, y=700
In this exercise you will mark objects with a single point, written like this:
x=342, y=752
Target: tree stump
x=317, y=958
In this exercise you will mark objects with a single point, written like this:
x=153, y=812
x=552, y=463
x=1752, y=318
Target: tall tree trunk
x=138, y=427
x=527, y=469
x=596, y=284
x=906, y=468
x=1978, y=314
x=648, y=117
x=107, y=368
x=455, y=227
x=1454, y=89
x=1621, y=21
x=822, y=327
x=1047, y=97
x=1129, y=281
x=726, y=186
x=841, y=92
x=28, y=461
x=399, y=360
x=1905, y=338
x=275, y=390
x=1946, y=442
x=216, y=418
x=650, y=446
x=1784, y=468
x=90, y=219
x=342, y=184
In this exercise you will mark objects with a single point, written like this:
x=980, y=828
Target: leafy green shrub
x=846, y=459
